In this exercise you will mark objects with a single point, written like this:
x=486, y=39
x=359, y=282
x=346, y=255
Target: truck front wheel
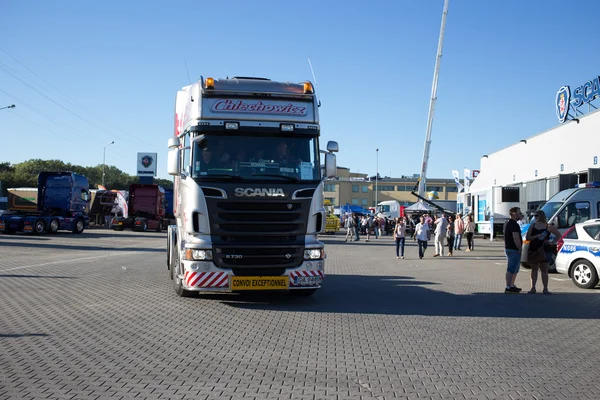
x=78, y=226
x=178, y=278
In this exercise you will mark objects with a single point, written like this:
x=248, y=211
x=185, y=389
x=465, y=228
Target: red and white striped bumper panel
x=206, y=279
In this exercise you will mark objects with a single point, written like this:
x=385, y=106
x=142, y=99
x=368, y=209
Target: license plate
x=259, y=282
x=28, y=228
x=308, y=280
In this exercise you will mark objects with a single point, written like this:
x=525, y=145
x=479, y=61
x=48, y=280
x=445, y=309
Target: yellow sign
x=259, y=282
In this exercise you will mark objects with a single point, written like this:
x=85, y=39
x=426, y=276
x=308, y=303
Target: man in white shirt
x=441, y=224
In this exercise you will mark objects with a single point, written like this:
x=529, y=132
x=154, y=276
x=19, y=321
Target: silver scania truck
x=248, y=187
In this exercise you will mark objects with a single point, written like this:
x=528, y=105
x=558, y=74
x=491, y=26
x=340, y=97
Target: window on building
x=329, y=187
x=434, y=188
x=405, y=188
x=354, y=188
x=384, y=188
x=363, y=202
x=365, y=189
x=451, y=189
x=354, y=202
x=510, y=194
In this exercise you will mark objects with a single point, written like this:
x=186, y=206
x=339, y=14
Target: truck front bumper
x=205, y=276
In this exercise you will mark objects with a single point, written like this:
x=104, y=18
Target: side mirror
x=330, y=165
x=173, y=162
x=173, y=143
x=333, y=146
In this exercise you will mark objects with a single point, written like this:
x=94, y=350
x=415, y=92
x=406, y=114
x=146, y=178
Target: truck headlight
x=314, y=254
x=194, y=254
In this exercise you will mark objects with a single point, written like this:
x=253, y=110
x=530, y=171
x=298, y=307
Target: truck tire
x=54, y=225
x=178, y=279
x=78, y=226
x=40, y=226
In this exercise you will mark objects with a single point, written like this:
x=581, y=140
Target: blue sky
x=85, y=73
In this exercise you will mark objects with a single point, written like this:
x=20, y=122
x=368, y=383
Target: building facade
x=358, y=189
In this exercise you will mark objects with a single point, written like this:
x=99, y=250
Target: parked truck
x=145, y=209
x=248, y=187
x=62, y=203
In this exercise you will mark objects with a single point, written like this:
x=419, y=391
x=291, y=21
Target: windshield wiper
x=289, y=178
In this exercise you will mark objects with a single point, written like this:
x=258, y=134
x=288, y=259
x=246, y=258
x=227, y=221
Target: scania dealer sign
x=146, y=164
x=583, y=94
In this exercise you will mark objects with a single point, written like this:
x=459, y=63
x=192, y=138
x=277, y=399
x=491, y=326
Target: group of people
x=448, y=227
x=538, y=236
x=365, y=225
x=452, y=229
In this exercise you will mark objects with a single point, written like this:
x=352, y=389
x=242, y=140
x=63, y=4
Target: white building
x=528, y=173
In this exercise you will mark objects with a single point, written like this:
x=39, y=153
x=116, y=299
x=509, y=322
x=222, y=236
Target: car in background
x=579, y=254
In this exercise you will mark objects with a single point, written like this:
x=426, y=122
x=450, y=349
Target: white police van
x=572, y=206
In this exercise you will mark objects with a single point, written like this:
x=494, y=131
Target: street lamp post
x=376, y=180
x=104, y=161
x=11, y=106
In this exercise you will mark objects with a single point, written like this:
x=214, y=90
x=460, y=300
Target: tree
x=25, y=174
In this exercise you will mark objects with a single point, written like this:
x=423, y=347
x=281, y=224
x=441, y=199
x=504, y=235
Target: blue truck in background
x=63, y=203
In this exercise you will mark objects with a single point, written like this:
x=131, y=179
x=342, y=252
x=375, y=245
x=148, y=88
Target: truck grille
x=258, y=237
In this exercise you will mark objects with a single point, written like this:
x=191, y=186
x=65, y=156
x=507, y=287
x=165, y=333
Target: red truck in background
x=146, y=209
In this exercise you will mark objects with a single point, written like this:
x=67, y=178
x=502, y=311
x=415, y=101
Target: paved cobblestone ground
x=94, y=316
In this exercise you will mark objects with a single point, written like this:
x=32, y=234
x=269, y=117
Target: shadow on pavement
x=396, y=295
x=103, y=248
x=18, y=335
x=85, y=235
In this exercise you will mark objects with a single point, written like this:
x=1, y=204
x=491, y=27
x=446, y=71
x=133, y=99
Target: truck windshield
x=253, y=157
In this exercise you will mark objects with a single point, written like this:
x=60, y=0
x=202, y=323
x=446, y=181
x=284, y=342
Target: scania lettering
x=259, y=192
x=248, y=187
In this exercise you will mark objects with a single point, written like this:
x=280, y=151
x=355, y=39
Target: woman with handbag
x=400, y=236
x=538, y=234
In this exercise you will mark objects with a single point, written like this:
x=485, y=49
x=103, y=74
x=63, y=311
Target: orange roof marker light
x=210, y=83
x=308, y=87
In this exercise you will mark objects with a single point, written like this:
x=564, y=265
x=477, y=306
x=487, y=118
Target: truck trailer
x=146, y=209
x=248, y=187
x=62, y=203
